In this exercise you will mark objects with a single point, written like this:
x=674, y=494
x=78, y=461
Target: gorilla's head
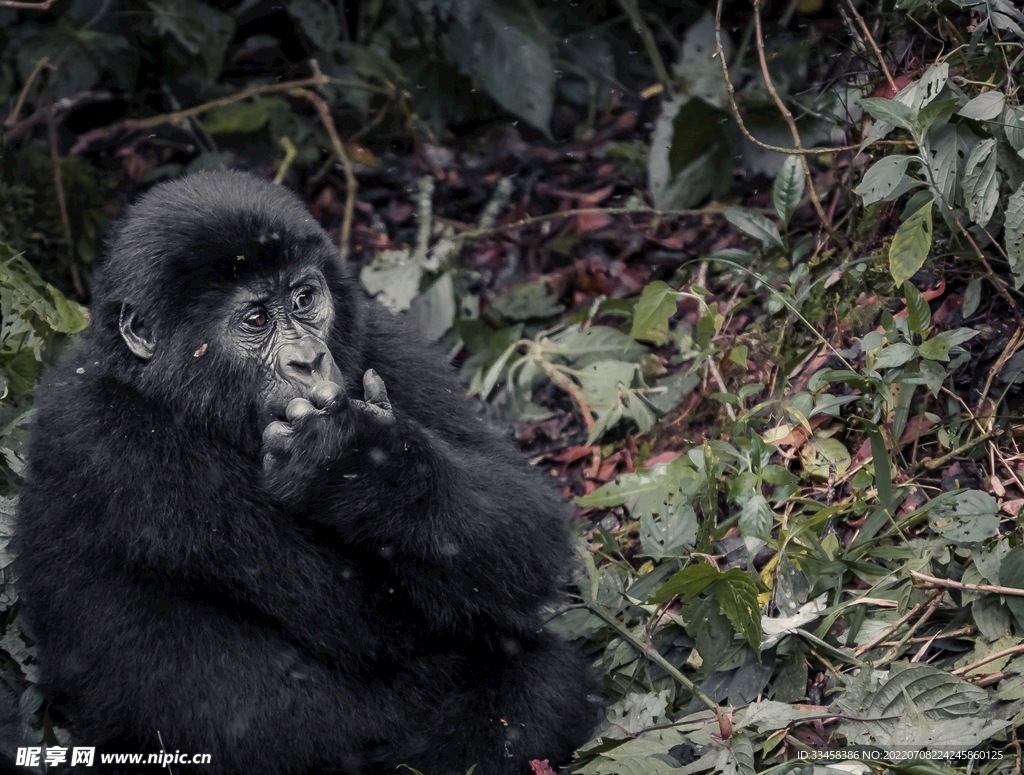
x=225, y=300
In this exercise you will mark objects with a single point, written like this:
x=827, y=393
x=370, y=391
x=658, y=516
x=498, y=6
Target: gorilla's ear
x=136, y=334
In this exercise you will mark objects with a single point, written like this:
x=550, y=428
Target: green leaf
x=754, y=224
x=1011, y=574
x=756, y=518
x=199, y=29
x=883, y=467
x=910, y=246
x=935, y=114
x=788, y=188
x=626, y=486
x=687, y=583
x=984, y=107
x=22, y=372
x=668, y=525
x=514, y=67
x=239, y=117
x=691, y=153
x=72, y=317
x=935, y=349
x=656, y=305
x=736, y=595
x=890, y=111
x=528, y=301
x=1014, y=235
x=882, y=178
x=821, y=454
x=972, y=296
x=950, y=146
x=981, y=182
x=894, y=356
x=319, y=20
x=919, y=314
x=967, y=518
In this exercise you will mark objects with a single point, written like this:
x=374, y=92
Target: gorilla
x=261, y=520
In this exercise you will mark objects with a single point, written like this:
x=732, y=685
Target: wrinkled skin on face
x=283, y=323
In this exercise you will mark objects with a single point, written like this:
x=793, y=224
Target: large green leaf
x=319, y=20
x=1014, y=235
x=919, y=314
x=882, y=178
x=656, y=305
x=984, y=107
x=911, y=244
x=981, y=182
x=890, y=111
x=754, y=224
x=788, y=188
x=199, y=28
x=968, y=518
x=736, y=595
x=691, y=153
x=1011, y=574
x=513, y=66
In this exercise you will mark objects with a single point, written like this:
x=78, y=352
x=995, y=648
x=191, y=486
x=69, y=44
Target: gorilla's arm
x=468, y=526
x=128, y=486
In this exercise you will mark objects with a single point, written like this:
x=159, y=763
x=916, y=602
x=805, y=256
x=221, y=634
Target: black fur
x=391, y=616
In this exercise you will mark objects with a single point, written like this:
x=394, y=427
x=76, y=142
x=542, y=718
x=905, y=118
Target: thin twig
x=12, y=118
x=896, y=625
x=316, y=80
x=715, y=209
x=895, y=651
x=950, y=584
x=1019, y=649
x=731, y=93
x=791, y=123
x=653, y=655
x=996, y=279
x=58, y=182
x=874, y=47
x=346, y=164
x=933, y=464
x=1011, y=347
x=351, y=185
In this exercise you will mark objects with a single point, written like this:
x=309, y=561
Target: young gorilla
x=261, y=520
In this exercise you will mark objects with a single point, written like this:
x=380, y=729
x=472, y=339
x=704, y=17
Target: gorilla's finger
x=375, y=392
x=276, y=437
x=327, y=395
x=298, y=408
x=375, y=413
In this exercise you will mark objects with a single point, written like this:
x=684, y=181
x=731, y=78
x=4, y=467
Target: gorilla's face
x=282, y=322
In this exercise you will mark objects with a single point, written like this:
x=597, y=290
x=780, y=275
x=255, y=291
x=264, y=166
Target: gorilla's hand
x=321, y=429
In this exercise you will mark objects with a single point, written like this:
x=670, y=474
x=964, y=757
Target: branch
x=874, y=47
x=16, y=110
x=791, y=123
x=318, y=79
x=351, y=185
x=731, y=93
x=950, y=584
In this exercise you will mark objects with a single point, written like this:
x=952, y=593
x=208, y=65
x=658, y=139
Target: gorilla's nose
x=303, y=362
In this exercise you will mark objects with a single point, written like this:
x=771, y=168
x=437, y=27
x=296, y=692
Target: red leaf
x=541, y=767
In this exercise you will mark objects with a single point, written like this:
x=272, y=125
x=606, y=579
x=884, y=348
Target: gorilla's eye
x=305, y=299
x=257, y=319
